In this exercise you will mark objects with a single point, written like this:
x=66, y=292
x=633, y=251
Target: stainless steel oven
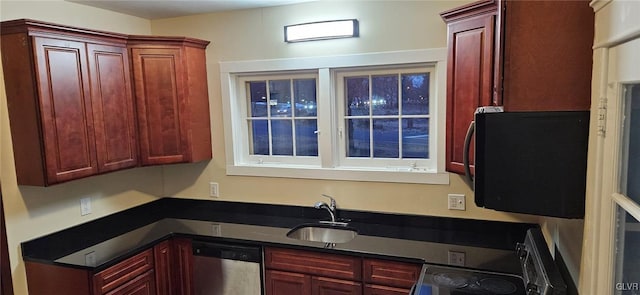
x=539, y=276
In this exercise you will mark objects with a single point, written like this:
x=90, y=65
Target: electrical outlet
x=90, y=258
x=213, y=189
x=456, y=202
x=457, y=258
x=217, y=230
x=85, y=206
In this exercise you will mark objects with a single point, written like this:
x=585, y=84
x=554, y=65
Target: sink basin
x=325, y=233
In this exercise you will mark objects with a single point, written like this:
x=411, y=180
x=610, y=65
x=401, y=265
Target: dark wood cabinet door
x=384, y=290
x=287, y=283
x=162, y=258
x=173, y=266
x=470, y=71
x=159, y=95
x=183, y=266
x=65, y=109
x=141, y=285
x=328, y=286
x=113, y=112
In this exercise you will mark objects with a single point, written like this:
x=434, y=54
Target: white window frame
x=330, y=167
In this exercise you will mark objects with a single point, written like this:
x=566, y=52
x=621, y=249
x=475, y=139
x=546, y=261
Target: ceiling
x=156, y=9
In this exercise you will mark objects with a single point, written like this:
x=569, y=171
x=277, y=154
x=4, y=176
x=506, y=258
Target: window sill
x=341, y=173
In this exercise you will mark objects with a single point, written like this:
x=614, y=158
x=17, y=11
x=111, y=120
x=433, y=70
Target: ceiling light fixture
x=321, y=30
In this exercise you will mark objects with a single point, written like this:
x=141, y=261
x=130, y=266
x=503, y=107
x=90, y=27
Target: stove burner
x=497, y=286
x=452, y=280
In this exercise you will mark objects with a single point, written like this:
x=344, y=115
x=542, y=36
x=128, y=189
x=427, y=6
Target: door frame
x=598, y=252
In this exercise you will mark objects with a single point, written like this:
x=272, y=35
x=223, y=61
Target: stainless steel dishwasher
x=226, y=269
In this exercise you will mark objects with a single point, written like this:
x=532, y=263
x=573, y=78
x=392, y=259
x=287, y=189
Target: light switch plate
x=213, y=189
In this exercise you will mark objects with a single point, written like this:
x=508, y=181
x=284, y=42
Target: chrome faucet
x=331, y=207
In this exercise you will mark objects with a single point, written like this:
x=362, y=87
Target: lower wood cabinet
x=165, y=269
x=290, y=271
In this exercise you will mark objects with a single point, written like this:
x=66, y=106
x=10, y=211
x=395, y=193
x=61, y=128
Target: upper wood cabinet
x=470, y=78
x=523, y=55
x=171, y=95
x=69, y=100
x=72, y=108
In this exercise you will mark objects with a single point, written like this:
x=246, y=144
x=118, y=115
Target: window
x=281, y=117
x=370, y=117
x=385, y=117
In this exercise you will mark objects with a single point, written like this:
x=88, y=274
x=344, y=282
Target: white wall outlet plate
x=456, y=202
x=457, y=258
x=90, y=258
x=85, y=206
x=216, y=229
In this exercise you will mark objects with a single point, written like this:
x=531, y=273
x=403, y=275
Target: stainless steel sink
x=325, y=233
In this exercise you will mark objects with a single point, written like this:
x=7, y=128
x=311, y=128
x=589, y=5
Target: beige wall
x=238, y=35
x=31, y=211
x=258, y=34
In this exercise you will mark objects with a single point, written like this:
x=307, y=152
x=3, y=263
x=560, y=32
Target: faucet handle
x=332, y=205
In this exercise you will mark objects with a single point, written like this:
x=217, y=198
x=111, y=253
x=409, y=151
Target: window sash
x=393, y=164
x=243, y=98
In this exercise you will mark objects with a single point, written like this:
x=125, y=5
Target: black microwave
x=531, y=162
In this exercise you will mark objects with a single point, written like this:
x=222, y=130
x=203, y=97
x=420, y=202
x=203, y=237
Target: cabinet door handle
x=465, y=157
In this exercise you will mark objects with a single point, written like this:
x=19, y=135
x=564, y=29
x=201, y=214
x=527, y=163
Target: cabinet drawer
x=390, y=273
x=122, y=272
x=322, y=264
x=142, y=285
x=384, y=290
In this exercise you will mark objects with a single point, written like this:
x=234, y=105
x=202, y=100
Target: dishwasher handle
x=228, y=251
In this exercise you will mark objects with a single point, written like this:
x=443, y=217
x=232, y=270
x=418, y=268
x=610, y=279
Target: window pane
x=282, y=137
x=631, y=152
x=385, y=95
x=358, y=138
x=257, y=98
x=415, y=138
x=305, y=97
x=627, y=254
x=357, y=96
x=280, y=98
x=259, y=132
x=385, y=138
x=415, y=94
x=306, y=138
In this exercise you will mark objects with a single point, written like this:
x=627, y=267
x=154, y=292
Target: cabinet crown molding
x=470, y=10
x=36, y=27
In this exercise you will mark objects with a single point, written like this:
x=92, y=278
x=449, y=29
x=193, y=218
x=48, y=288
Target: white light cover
x=321, y=30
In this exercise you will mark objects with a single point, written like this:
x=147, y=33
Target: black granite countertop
x=96, y=245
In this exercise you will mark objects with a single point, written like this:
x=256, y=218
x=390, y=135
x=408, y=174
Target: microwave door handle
x=465, y=157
